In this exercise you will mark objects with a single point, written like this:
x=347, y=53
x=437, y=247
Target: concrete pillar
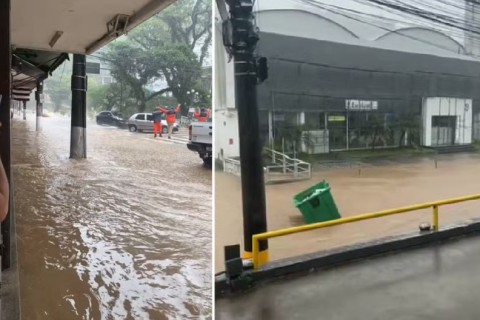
x=78, y=138
x=5, y=91
x=39, y=99
x=24, y=109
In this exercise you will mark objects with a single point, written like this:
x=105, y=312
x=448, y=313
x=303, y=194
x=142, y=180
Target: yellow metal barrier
x=283, y=232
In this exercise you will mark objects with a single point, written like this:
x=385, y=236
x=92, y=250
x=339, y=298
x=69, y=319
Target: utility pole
x=24, y=102
x=240, y=39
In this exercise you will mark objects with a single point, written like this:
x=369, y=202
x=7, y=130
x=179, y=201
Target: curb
x=332, y=258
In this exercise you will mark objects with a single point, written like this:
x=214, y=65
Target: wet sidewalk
x=434, y=283
x=124, y=234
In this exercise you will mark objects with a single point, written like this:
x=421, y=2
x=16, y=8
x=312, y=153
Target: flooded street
x=356, y=190
x=124, y=234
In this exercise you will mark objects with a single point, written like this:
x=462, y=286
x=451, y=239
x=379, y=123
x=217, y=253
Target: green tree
x=172, y=46
x=376, y=129
x=408, y=123
x=97, y=96
x=58, y=87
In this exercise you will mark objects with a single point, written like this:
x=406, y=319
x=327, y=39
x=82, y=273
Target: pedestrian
x=157, y=123
x=171, y=118
x=201, y=116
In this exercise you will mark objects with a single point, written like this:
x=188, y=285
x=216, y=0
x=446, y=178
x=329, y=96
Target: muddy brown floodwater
x=356, y=190
x=124, y=234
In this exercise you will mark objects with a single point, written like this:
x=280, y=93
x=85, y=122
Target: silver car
x=143, y=122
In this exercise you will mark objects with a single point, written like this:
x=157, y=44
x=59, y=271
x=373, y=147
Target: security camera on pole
x=240, y=37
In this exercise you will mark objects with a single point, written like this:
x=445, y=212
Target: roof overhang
x=30, y=66
x=77, y=26
x=43, y=32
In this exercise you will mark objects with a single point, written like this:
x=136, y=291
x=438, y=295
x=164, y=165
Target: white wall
x=226, y=121
x=437, y=106
x=226, y=134
x=303, y=24
x=224, y=81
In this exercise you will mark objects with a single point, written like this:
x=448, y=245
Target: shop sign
x=336, y=118
x=361, y=105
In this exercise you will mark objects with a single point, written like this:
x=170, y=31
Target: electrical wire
x=336, y=10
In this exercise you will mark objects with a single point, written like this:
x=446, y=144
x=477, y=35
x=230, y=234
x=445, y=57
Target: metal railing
x=284, y=168
x=232, y=166
x=282, y=232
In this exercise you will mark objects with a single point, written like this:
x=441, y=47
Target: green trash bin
x=316, y=204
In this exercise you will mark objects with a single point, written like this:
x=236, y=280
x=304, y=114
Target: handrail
x=282, y=232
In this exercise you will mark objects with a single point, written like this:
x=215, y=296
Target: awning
x=30, y=66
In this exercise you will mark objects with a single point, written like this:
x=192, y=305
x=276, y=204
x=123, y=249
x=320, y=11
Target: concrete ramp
x=441, y=281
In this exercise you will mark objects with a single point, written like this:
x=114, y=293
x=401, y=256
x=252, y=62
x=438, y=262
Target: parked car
x=110, y=118
x=143, y=122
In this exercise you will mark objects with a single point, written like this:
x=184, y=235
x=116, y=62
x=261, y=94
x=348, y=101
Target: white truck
x=200, y=136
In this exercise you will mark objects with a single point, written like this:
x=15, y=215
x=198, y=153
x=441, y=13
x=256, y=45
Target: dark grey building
x=336, y=83
x=310, y=82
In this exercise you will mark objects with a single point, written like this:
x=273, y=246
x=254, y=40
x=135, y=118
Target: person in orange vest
x=201, y=116
x=157, y=123
x=171, y=118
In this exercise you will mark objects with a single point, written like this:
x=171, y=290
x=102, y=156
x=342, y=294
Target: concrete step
x=455, y=149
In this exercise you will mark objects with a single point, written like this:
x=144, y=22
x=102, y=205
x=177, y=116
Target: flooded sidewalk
x=124, y=234
x=372, y=188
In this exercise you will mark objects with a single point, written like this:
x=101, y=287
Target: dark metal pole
x=39, y=99
x=253, y=187
x=24, y=102
x=78, y=138
x=5, y=91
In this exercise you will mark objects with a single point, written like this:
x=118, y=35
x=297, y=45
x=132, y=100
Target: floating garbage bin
x=316, y=204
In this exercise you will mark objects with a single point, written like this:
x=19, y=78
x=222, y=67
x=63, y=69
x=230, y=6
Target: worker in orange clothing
x=171, y=118
x=201, y=116
x=157, y=123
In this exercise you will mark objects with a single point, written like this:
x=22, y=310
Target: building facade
x=334, y=86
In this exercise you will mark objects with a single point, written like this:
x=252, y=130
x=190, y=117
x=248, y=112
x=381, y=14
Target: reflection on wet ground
x=125, y=234
x=438, y=282
x=356, y=190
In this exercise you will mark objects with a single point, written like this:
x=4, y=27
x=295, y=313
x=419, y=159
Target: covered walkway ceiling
x=44, y=32
x=82, y=25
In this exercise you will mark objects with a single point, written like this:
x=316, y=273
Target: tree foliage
x=171, y=47
x=58, y=88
